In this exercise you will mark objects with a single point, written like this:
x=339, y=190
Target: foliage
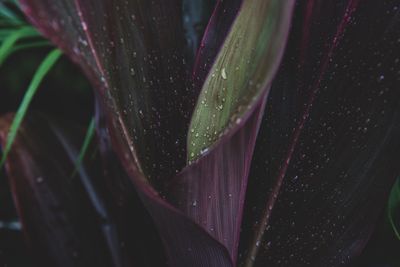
x=183, y=151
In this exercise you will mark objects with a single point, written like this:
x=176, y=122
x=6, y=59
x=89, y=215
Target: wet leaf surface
x=326, y=155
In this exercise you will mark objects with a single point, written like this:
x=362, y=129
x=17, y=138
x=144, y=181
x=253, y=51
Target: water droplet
x=223, y=74
x=203, y=151
x=84, y=26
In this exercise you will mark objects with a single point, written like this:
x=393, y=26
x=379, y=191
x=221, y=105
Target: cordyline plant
x=181, y=179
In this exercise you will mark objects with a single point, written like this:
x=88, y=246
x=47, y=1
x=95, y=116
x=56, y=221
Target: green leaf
x=8, y=14
x=242, y=71
x=9, y=42
x=41, y=72
x=86, y=142
x=29, y=45
x=394, y=207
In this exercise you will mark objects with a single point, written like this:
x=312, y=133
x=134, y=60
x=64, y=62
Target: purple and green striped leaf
x=242, y=71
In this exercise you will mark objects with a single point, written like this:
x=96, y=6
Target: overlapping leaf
x=134, y=50
x=133, y=55
x=327, y=153
x=244, y=67
x=64, y=219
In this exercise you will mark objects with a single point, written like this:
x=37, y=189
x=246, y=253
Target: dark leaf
x=132, y=53
x=196, y=14
x=327, y=153
x=64, y=219
x=214, y=36
x=134, y=50
x=138, y=235
x=185, y=243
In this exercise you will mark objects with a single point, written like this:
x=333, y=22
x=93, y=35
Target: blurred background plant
x=34, y=75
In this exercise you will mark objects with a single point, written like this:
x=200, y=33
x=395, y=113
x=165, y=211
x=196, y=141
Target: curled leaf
x=243, y=69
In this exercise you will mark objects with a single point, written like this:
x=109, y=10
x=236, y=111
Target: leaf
x=327, y=152
x=242, y=71
x=133, y=57
x=196, y=14
x=185, y=242
x=64, y=220
x=147, y=109
x=394, y=207
x=7, y=13
x=40, y=73
x=86, y=142
x=211, y=190
x=8, y=43
x=130, y=214
x=217, y=29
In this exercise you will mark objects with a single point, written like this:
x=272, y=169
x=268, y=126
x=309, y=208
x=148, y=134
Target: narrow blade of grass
x=8, y=14
x=86, y=142
x=29, y=45
x=394, y=207
x=9, y=42
x=41, y=72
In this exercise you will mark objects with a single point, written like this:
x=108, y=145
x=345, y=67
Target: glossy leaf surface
x=133, y=55
x=243, y=69
x=326, y=156
x=211, y=190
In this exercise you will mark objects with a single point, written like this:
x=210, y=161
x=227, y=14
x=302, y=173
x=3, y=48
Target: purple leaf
x=132, y=54
x=185, y=242
x=64, y=218
x=328, y=148
x=217, y=29
x=211, y=191
x=135, y=51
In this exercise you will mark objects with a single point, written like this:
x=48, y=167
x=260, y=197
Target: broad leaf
x=186, y=243
x=328, y=148
x=217, y=29
x=132, y=53
x=133, y=56
x=211, y=190
x=243, y=69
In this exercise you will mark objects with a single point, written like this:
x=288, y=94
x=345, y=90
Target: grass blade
x=8, y=14
x=86, y=142
x=29, y=45
x=9, y=42
x=394, y=207
x=41, y=72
